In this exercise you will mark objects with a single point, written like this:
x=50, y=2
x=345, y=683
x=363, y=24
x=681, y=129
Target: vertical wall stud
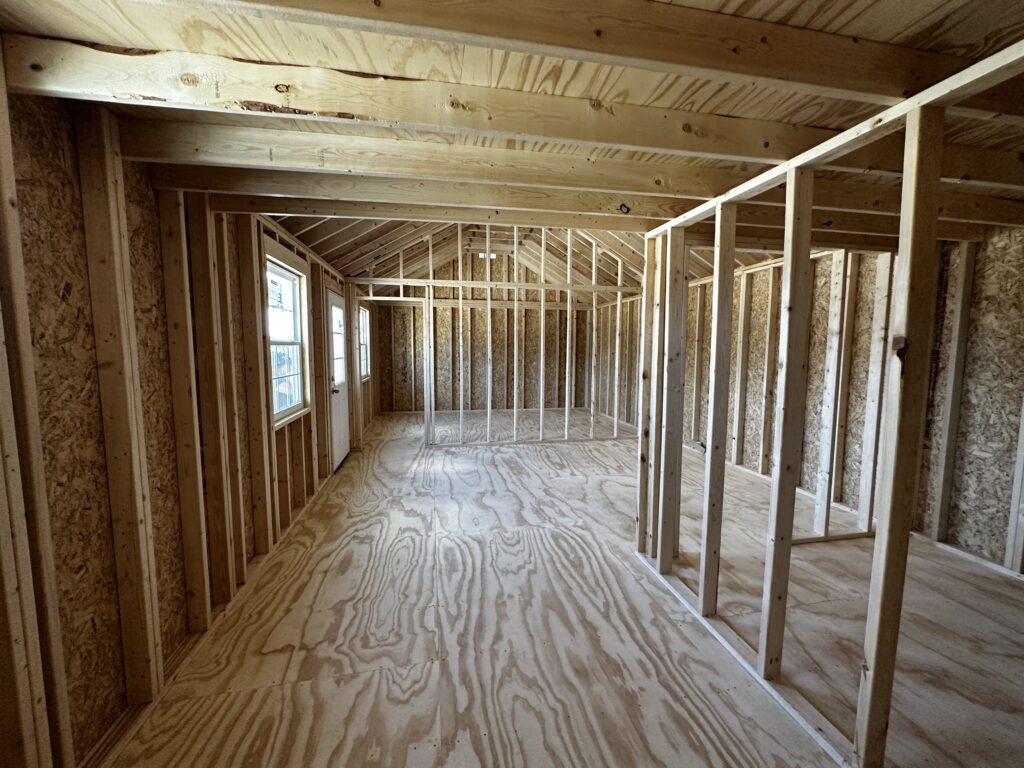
x=697, y=390
x=771, y=358
x=739, y=411
x=643, y=389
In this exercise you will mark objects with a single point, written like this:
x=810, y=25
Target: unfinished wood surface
x=739, y=378
x=643, y=389
x=1013, y=558
x=212, y=417
x=831, y=384
x=915, y=285
x=250, y=275
x=178, y=301
x=226, y=300
x=16, y=316
x=770, y=373
x=697, y=390
x=282, y=450
x=718, y=408
x=851, y=301
x=657, y=394
x=297, y=471
x=789, y=416
x=110, y=287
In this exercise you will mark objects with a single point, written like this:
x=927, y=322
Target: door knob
x=335, y=391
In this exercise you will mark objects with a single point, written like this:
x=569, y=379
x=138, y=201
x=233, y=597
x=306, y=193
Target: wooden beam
x=570, y=360
x=227, y=360
x=915, y=285
x=874, y=389
x=593, y=339
x=645, y=366
x=790, y=403
x=673, y=360
x=657, y=399
x=718, y=409
x=17, y=333
x=113, y=315
x=617, y=365
x=542, y=351
x=212, y=415
x=947, y=403
x=830, y=394
x=739, y=398
x=185, y=407
x=319, y=358
x=250, y=273
x=768, y=388
x=697, y=390
x=851, y=301
x=1013, y=556
x=382, y=189
x=663, y=38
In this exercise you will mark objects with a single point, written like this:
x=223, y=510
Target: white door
x=339, y=381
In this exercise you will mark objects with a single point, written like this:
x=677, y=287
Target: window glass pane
x=287, y=392
x=285, y=360
x=339, y=370
x=364, y=342
x=283, y=305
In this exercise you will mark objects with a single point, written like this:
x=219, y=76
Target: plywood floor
x=464, y=606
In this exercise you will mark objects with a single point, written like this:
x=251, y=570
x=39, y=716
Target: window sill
x=287, y=419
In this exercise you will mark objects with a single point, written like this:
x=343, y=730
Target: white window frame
x=283, y=258
x=364, y=343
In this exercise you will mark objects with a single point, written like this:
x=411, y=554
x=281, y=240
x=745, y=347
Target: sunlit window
x=285, y=329
x=364, y=342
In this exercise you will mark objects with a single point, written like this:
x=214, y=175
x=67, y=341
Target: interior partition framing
x=906, y=359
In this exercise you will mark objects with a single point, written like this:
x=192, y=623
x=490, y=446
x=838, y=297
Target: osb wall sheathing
x=238, y=339
x=857, y=388
x=53, y=239
x=993, y=385
x=158, y=416
x=757, y=350
x=383, y=369
x=816, y=349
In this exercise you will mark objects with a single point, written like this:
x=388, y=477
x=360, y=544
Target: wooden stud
x=593, y=339
x=515, y=335
x=490, y=338
x=643, y=389
x=184, y=406
x=230, y=405
x=310, y=456
x=698, y=366
x=948, y=400
x=1013, y=556
x=541, y=386
x=14, y=313
x=358, y=405
x=718, y=408
x=657, y=399
x=789, y=418
x=250, y=274
x=569, y=340
x=618, y=353
x=297, y=455
x=212, y=417
x=462, y=337
x=739, y=411
x=875, y=383
x=319, y=358
x=915, y=286
x=830, y=394
x=110, y=289
x=770, y=370
x=674, y=361
x=282, y=445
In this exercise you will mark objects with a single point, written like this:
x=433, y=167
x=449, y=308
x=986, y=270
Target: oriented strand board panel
x=154, y=376
x=857, y=392
x=53, y=240
x=757, y=350
x=240, y=395
x=384, y=371
x=402, y=354
x=705, y=365
x=815, y=370
x=990, y=405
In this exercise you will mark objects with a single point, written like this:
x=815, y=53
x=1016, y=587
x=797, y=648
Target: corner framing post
x=915, y=286
x=490, y=341
x=643, y=390
x=429, y=401
x=543, y=335
x=593, y=338
x=462, y=339
x=657, y=397
x=674, y=356
x=949, y=397
x=789, y=417
x=718, y=407
x=569, y=362
x=515, y=334
x=616, y=385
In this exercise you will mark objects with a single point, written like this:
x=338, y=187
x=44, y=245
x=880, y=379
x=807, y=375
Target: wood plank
x=212, y=416
x=874, y=390
x=697, y=390
x=617, y=365
x=789, y=419
x=593, y=339
x=718, y=409
x=185, y=407
x=850, y=304
x=645, y=367
x=14, y=313
x=947, y=402
x=768, y=378
x=1013, y=557
x=310, y=455
x=319, y=357
x=358, y=407
x=251, y=272
x=657, y=395
x=830, y=393
x=570, y=336
x=673, y=360
x=915, y=286
x=671, y=38
x=110, y=289
x=231, y=409
x=739, y=398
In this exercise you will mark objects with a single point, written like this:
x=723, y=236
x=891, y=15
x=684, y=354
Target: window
x=338, y=344
x=286, y=328
x=364, y=343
